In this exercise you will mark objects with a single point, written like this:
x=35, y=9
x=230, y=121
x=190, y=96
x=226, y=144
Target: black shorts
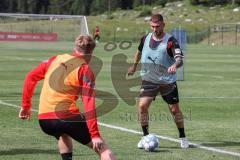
x=169, y=92
x=78, y=130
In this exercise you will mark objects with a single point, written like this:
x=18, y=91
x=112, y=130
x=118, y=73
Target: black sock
x=145, y=130
x=67, y=156
x=181, y=132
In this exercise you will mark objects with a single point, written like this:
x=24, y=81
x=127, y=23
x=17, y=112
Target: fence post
x=236, y=38
x=114, y=35
x=195, y=39
x=222, y=35
x=209, y=31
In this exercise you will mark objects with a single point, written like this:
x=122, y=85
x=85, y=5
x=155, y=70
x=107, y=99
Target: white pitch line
x=22, y=59
x=201, y=75
x=210, y=97
x=15, y=106
x=172, y=140
x=140, y=133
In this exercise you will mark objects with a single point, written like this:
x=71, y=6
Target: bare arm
x=132, y=69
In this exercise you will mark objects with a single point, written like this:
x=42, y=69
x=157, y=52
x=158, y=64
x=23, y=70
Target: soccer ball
x=150, y=142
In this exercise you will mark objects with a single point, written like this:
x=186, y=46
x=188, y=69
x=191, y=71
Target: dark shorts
x=169, y=92
x=78, y=130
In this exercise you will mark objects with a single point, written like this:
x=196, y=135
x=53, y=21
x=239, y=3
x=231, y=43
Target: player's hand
x=97, y=144
x=131, y=70
x=25, y=114
x=172, y=69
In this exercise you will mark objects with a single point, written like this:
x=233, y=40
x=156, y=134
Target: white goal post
x=67, y=27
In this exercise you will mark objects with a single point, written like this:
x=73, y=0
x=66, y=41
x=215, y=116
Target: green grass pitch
x=209, y=99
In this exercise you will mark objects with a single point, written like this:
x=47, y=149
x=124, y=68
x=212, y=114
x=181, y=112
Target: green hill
x=196, y=20
x=201, y=23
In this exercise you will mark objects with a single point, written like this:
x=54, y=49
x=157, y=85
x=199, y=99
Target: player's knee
x=143, y=108
x=106, y=154
x=175, y=109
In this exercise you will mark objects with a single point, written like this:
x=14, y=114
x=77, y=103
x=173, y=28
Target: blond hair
x=85, y=43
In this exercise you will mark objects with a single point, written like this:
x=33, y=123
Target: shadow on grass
x=18, y=151
x=221, y=144
x=159, y=150
x=170, y=147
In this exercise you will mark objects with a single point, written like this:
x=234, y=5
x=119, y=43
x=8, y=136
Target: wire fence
x=68, y=27
x=224, y=34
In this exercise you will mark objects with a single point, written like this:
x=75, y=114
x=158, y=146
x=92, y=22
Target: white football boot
x=184, y=142
x=140, y=143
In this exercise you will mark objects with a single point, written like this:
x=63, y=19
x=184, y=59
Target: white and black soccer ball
x=150, y=142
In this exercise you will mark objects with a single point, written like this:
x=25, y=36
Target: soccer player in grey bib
x=160, y=55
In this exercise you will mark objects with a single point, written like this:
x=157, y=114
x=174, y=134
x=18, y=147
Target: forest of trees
x=89, y=7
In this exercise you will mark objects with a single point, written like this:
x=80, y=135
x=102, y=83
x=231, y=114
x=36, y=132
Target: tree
x=81, y=7
x=161, y=2
x=194, y=2
x=137, y=3
x=13, y=6
x=60, y=6
x=4, y=6
x=126, y=4
x=101, y=6
x=96, y=7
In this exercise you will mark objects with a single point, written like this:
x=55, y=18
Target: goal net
x=41, y=27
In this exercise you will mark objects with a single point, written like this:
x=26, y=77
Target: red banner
x=12, y=36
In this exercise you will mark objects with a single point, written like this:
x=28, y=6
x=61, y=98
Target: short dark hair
x=156, y=18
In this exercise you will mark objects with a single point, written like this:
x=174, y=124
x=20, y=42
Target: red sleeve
x=31, y=80
x=88, y=92
x=173, y=48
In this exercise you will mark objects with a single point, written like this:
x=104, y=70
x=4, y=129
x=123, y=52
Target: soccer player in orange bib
x=65, y=77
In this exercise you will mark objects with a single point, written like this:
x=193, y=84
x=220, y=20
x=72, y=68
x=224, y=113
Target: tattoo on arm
x=179, y=62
